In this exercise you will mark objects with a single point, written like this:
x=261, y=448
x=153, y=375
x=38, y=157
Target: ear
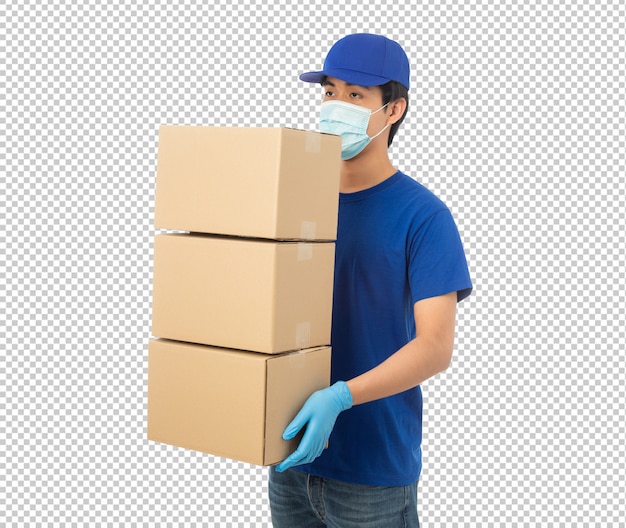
x=396, y=110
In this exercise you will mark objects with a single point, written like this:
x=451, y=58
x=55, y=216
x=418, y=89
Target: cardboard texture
x=276, y=183
x=259, y=295
x=230, y=403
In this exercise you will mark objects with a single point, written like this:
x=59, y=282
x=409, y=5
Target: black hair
x=392, y=91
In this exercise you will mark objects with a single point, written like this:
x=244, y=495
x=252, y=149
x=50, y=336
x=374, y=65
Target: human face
x=370, y=97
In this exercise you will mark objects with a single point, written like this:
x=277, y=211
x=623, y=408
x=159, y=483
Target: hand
x=319, y=414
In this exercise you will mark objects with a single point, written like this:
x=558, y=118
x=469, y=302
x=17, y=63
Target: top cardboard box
x=276, y=183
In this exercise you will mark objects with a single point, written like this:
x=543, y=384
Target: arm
x=423, y=357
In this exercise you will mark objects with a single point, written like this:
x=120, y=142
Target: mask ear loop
x=375, y=111
x=385, y=127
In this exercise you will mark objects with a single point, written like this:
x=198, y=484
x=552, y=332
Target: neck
x=365, y=170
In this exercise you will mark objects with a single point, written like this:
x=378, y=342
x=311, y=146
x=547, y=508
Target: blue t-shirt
x=397, y=243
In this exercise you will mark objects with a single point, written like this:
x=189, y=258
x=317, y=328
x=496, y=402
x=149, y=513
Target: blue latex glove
x=319, y=414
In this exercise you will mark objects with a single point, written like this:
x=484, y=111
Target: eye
x=328, y=93
x=355, y=95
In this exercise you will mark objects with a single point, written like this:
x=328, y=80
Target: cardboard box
x=249, y=294
x=229, y=403
x=274, y=183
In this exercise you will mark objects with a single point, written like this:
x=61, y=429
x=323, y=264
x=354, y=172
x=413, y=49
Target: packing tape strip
x=297, y=360
x=305, y=251
x=303, y=335
x=312, y=142
x=307, y=230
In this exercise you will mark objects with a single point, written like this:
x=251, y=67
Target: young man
x=400, y=269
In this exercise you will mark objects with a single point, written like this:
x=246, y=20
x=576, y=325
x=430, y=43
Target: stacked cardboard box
x=242, y=300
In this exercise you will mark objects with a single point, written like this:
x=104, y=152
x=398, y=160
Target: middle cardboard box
x=249, y=294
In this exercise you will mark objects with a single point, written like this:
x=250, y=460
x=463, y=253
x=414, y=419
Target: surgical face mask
x=350, y=122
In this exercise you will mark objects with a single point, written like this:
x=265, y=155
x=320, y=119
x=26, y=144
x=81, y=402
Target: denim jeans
x=306, y=501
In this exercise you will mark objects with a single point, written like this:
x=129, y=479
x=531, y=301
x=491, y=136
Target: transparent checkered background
x=517, y=121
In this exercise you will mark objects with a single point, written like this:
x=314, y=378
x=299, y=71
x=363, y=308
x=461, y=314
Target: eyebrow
x=330, y=83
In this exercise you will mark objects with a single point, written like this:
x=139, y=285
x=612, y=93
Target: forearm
x=413, y=364
x=430, y=352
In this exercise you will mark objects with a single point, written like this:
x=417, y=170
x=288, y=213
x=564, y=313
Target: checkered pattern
x=517, y=120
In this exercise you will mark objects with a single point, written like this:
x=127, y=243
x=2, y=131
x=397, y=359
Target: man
x=400, y=269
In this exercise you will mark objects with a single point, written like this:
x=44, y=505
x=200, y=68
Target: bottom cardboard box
x=230, y=403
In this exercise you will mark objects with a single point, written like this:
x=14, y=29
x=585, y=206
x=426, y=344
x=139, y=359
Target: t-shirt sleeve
x=437, y=263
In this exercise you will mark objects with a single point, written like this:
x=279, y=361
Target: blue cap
x=364, y=59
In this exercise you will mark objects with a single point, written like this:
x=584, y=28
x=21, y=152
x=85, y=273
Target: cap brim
x=349, y=76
